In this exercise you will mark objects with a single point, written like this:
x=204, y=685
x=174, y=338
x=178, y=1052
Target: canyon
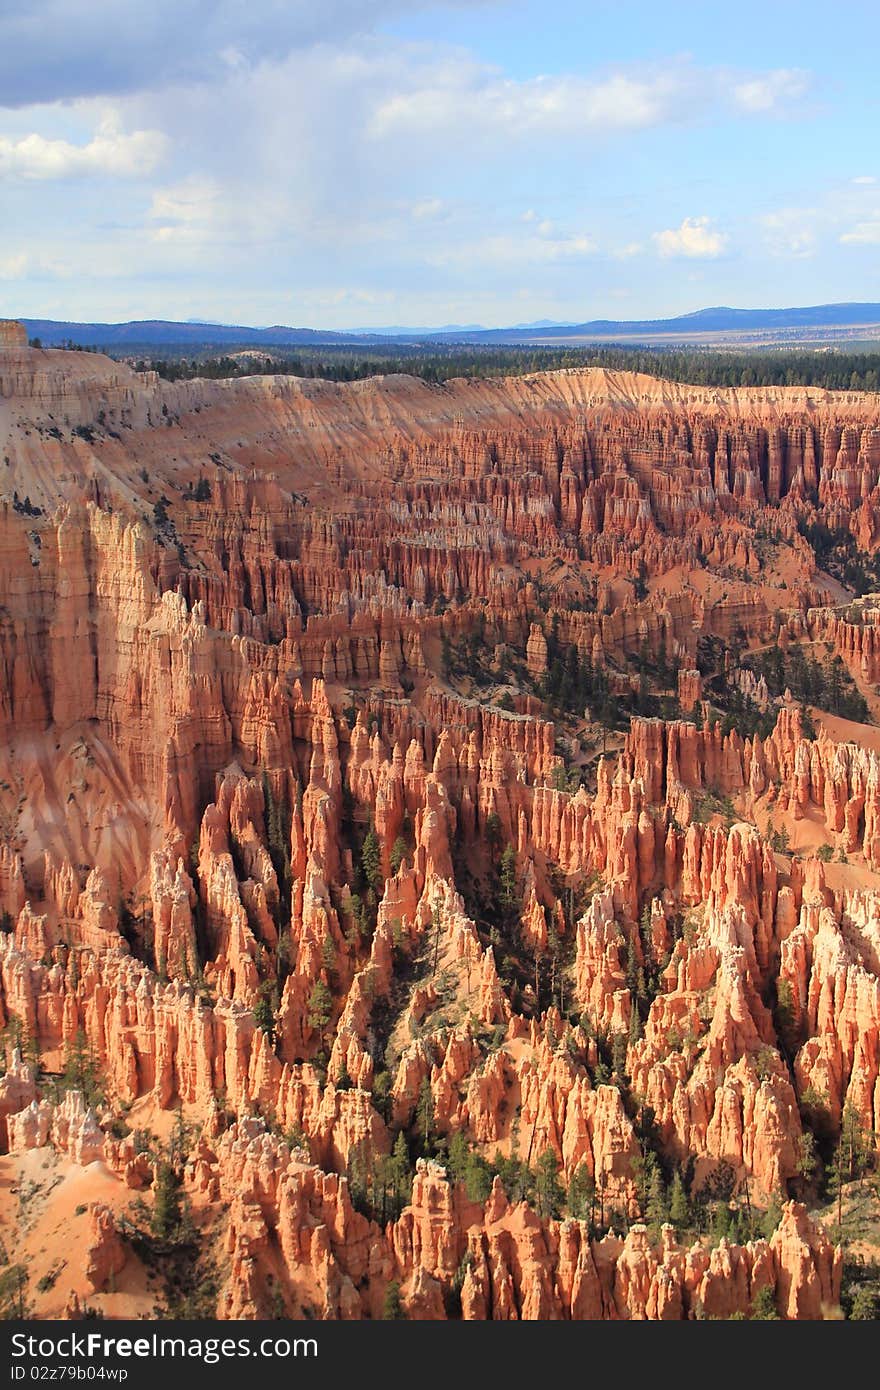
x=420, y=870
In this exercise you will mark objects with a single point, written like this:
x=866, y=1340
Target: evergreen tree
x=477, y=1178
x=179, y=1142
x=320, y=1006
x=657, y=1206
x=264, y=1017
x=468, y=1167
x=13, y=1293
x=764, y=1305
x=636, y=1028
x=445, y=657
x=359, y=1175
x=398, y=853
x=507, y=878
x=679, y=1208
x=80, y=1070
x=548, y=1189
x=400, y=1173
x=619, y=1044
x=425, y=1115
x=865, y=1304
x=809, y=1164
x=581, y=1194
x=631, y=971
x=278, y=824
x=328, y=954
x=457, y=1156
x=167, y=1214
x=371, y=861
x=494, y=834
x=771, y=1218
x=392, y=1306
x=784, y=1018
x=721, y=1221
x=32, y=1055
x=854, y=1145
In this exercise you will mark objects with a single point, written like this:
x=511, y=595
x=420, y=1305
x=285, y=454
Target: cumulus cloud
x=772, y=90
x=460, y=95
x=791, y=232
x=694, y=239
x=863, y=234
x=455, y=95
x=109, y=152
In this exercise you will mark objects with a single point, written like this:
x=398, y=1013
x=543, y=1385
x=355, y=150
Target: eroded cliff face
x=333, y=820
x=12, y=334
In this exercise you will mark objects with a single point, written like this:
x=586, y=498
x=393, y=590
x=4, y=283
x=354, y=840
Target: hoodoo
x=440, y=841
x=12, y=334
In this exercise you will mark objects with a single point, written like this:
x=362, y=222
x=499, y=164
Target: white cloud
x=769, y=91
x=459, y=94
x=186, y=211
x=844, y=213
x=790, y=232
x=428, y=209
x=694, y=239
x=863, y=234
x=24, y=265
x=415, y=167
x=183, y=202
x=14, y=267
x=801, y=243
x=504, y=251
x=53, y=50
x=109, y=152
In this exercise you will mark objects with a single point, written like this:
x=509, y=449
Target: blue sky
x=370, y=162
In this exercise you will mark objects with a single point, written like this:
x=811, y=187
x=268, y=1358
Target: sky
x=364, y=163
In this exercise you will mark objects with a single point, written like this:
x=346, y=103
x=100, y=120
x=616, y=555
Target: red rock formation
x=106, y=1253
x=12, y=334
x=289, y=831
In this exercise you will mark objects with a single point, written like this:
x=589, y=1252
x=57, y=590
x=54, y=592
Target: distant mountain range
x=720, y=320
x=821, y=322
x=156, y=333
